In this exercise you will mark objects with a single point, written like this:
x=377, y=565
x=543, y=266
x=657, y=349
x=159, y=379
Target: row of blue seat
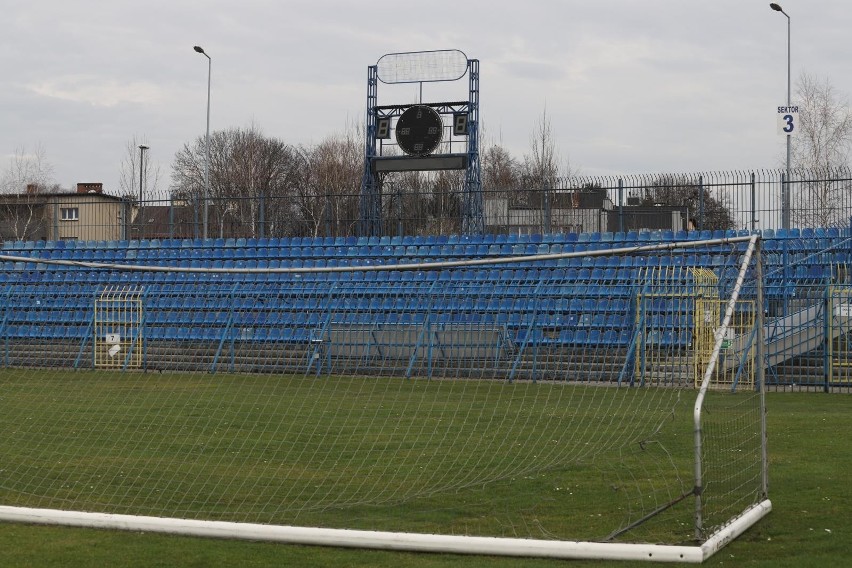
x=412, y=252
x=333, y=307
x=609, y=332
x=352, y=241
x=618, y=237
x=588, y=270
x=126, y=250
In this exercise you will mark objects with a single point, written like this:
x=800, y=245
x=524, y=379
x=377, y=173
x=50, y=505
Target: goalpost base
x=450, y=544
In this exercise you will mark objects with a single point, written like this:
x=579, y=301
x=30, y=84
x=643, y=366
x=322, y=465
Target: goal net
x=603, y=403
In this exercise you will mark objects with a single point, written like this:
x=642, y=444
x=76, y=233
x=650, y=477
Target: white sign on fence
x=843, y=310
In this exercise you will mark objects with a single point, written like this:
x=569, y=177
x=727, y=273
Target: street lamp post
x=142, y=148
x=200, y=50
x=785, y=197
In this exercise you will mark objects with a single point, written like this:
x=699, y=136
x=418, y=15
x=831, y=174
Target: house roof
x=68, y=195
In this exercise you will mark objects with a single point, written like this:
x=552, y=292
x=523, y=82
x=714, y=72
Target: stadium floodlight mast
x=200, y=50
x=785, y=200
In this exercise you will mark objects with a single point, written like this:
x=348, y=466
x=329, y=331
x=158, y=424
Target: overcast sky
x=630, y=86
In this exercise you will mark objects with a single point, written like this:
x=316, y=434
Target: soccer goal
x=573, y=404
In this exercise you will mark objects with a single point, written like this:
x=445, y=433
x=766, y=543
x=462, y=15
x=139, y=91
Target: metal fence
x=751, y=200
x=432, y=205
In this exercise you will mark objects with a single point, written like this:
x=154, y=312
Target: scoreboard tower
x=425, y=136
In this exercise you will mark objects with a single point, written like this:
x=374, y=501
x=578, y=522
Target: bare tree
x=544, y=164
x=501, y=174
x=819, y=151
x=541, y=165
x=541, y=171
x=27, y=168
x=406, y=198
x=500, y=171
x=247, y=171
x=128, y=175
x=28, y=176
x=330, y=203
x=309, y=193
x=446, y=204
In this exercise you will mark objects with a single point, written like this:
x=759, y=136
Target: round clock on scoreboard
x=419, y=130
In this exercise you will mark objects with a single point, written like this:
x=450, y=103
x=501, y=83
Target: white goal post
x=411, y=542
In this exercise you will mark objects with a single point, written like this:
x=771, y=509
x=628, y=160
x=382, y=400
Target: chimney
x=90, y=188
x=32, y=188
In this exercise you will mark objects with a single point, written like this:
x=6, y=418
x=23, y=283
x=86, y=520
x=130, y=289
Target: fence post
x=261, y=216
x=125, y=222
x=753, y=206
x=326, y=212
x=195, y=222
x=620, y=205
x=785, y=202
x=848, y=237
x=399, y=227
x=700, y=203
x=546, y=191
x=171, y=219
x=787, y=276
x=827, y=332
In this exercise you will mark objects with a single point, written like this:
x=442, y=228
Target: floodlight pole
x=785, y=197
x=200, y=50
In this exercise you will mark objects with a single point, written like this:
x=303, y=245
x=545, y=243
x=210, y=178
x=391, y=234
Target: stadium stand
x=547, y=304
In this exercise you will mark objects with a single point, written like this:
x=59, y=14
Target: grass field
x=809, y=462
x=444, y=456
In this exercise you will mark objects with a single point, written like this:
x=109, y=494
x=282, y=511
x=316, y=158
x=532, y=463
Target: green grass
x=809, y=463
x=374, y=453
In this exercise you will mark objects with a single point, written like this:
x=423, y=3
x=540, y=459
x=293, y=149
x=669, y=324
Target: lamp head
x=199, y=49
x=143, y=147
x=773, y=5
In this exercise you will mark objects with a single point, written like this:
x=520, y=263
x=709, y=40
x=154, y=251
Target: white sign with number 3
x=788, y=120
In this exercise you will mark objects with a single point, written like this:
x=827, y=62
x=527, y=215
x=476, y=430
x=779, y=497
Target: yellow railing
x=674, y=352
x=840, y=335
x=118, y=328
x=706, y=318
x=735, y=367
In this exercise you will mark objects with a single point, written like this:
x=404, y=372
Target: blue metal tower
x=370, y=206
x=473, y=219
x=377, y=166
